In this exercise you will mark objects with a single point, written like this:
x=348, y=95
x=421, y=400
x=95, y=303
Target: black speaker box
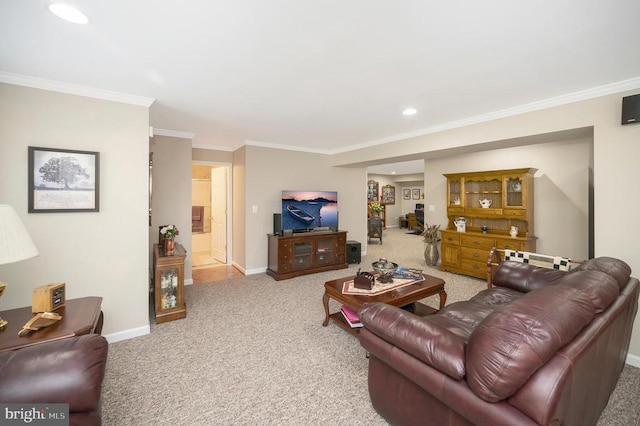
x=353, y=252
x=631, y=109
x=277, y=224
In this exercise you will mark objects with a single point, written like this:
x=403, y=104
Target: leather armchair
x=67, y=371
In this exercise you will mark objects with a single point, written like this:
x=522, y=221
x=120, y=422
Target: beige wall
x=561, y=189
x=214, y=156
x=171, y=201
x=240, y=213
x=269, y=171
x=616, y=149
x=95, y=254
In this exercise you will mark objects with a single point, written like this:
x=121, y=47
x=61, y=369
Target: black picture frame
x=406, y=194
x=415, y=193
x=63, y=180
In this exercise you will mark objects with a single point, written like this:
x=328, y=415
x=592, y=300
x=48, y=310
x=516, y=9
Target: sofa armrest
x=427, y=339
x=68, y=371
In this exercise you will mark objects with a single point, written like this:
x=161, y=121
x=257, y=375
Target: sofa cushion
x=600, y=287
x=524, y=277
x=618, y=269
x=464, y=317
x=428, y=339
x=518, y=338
x=496, y=296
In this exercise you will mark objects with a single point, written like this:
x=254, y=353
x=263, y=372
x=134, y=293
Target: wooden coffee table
x=402, y=296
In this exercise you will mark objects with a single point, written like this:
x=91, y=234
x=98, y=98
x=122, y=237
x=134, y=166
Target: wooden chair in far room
x=412, y=222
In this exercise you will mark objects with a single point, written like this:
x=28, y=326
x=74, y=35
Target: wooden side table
x=79, y=316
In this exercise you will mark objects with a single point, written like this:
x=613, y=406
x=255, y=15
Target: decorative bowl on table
x=386, y=270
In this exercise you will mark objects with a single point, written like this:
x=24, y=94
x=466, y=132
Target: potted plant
x=375, y=208
x=169, y=233
x=430, y=237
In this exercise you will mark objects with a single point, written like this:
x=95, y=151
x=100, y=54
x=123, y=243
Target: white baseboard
x=188, y=282
x=238, y=267
x=128, y=334
x=250, y=271
x=633, y=360
x=255, y=271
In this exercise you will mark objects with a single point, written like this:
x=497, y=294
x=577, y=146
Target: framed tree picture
x=406, y=194
x=388, y=194
x=372, y=190
x=415, y=194
x=62, y=180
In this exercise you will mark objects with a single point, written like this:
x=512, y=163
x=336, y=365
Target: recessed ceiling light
x=409, y=111
x=68, y=13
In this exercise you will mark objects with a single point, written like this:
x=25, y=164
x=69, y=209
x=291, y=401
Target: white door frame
x=229, y=203
x=218, y=219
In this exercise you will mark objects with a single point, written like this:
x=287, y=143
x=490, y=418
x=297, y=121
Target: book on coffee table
x=351, y=316
x=406, y=272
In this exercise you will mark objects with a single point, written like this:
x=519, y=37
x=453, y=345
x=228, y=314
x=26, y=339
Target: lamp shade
x=15, y=242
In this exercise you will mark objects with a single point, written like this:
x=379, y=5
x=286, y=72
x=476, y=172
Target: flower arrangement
x=170, y=231
x=430, y=233
x=375, y=207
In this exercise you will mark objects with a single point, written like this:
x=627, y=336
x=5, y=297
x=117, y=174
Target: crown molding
x=74, y=89
x=199, y=145
x=607, y=89
x=173, y=133
x=288, y=147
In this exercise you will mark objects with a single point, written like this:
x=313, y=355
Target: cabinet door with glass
x=455, y=195
x=169, y=284
x=302, y=254
x=516, y=189
x=325, y=251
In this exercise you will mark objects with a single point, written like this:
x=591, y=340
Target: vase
x=169, y=246
x=431, y=254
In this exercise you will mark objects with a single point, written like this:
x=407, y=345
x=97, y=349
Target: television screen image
x=309, y=209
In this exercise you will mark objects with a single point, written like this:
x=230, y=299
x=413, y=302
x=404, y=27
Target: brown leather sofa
x=68, y=371
x=540, y=347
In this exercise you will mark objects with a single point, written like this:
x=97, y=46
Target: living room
x=124, y=194
x=576, y=142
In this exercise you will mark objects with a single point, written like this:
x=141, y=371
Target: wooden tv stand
x=305, y=253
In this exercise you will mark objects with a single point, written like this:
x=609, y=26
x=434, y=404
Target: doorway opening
x=210, y=224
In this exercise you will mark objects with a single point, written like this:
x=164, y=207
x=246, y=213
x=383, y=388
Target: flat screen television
x=309, y=210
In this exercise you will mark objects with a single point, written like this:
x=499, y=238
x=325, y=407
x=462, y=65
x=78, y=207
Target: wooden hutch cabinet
x=493, y=204
x=306, y=253
x=168, y=284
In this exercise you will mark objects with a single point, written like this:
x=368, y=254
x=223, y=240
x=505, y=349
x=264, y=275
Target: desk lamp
x=15, y=243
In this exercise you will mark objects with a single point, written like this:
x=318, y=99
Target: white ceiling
x=324, y=76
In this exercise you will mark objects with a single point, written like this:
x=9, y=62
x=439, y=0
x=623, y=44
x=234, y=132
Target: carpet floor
x=253, y=351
